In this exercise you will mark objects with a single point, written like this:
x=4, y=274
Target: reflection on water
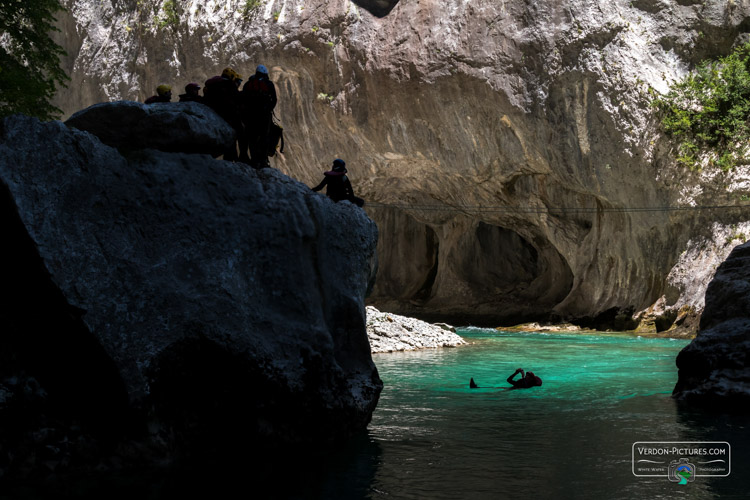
x=432, y=437
x=570, y=438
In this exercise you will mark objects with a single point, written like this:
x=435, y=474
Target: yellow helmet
x=231, y=74
x=163, y=89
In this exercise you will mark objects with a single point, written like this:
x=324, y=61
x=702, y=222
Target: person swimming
x=526, y=381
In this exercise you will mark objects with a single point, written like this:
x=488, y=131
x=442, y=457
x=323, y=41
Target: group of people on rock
x=249, y=111
x=164, y=94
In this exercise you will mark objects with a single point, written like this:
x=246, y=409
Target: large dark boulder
x=199, y=301
x=714, y=369
x=181, y=127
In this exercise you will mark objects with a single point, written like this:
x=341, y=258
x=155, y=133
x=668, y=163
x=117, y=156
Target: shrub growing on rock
x=707, y=113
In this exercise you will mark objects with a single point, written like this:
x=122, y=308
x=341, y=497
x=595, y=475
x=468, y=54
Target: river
x=434, y=438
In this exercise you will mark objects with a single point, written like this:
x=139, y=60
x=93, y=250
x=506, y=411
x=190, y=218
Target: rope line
x=546, y=210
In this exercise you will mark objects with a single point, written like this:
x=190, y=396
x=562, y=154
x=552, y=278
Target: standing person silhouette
x=221, y=93
x=258, y=101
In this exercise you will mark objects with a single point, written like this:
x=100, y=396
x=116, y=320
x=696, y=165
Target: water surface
x=571, y=438
x=431, y=437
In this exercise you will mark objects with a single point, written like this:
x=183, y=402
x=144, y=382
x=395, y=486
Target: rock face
x=714, y=369
x=204, y=301
x=507, y=150
x=390, y=332
x=185, y=127
x=379, y=8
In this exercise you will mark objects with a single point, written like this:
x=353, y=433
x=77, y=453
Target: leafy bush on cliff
x=707, y=113
x=29, y=59
x=170, y=15
x=250, y=6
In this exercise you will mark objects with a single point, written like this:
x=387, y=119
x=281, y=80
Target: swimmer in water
x=526, y=381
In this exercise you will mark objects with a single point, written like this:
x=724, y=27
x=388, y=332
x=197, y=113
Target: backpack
x=257, y=94
x=275, y=137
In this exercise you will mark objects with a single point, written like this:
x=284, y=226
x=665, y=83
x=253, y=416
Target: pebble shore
x=390, y=332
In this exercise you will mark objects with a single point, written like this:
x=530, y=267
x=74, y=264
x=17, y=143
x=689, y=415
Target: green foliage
x=250, y=6
x=29, y=59
x=707, y=113
x=170, y=15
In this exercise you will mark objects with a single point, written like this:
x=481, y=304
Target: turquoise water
x=432, y=437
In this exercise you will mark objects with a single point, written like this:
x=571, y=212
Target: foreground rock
x=714, y=369
x=391, y=332
x=172, y=300
x=185, y=127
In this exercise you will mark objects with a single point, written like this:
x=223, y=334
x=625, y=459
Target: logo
x=681, y=471
x=680, y=461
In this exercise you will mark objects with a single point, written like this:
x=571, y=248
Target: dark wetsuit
x=222, y=95
x=191, y=98
x=258, y=101
x=157, y=98
x=339, y=187
x=524, y=382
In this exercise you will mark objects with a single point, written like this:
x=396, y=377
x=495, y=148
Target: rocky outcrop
x=714, y=369
x=379, y=8
x=507, y=150
x=390, y=332
x=184, y=127
x=174, y=299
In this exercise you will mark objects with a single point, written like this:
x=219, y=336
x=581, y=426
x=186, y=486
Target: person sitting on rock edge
x=163, y=94
x=339, y=187
x=192, y=93
x=526, y=381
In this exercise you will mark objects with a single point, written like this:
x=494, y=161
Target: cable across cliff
x=552, y=210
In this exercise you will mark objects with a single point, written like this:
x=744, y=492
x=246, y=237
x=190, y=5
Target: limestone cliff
x=174, y=299
x=500, y=145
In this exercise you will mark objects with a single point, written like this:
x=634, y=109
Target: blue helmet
x=339, y=165
x=261, y=69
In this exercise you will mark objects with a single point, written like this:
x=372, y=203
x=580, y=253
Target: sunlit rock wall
x=486, y=114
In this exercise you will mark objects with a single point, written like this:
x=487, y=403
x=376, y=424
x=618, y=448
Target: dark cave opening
x=408, y=261
x=497, y=260
x=513, y=278
x=489, y=275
